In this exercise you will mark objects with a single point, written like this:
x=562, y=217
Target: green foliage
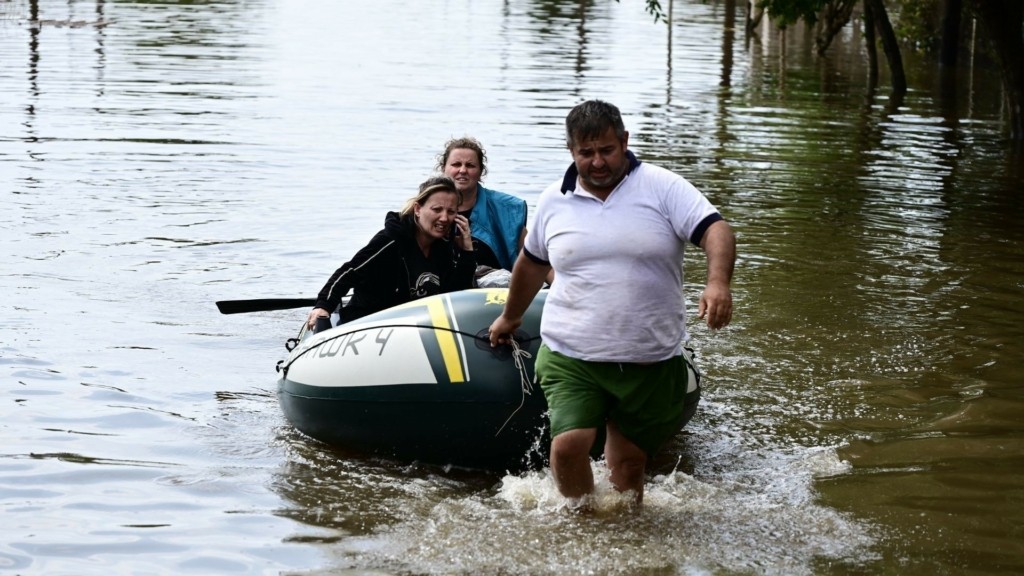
x=918, y=24
x=786, y=12
x=654, y=9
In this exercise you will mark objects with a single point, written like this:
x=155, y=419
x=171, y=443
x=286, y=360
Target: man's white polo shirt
x=618, y=289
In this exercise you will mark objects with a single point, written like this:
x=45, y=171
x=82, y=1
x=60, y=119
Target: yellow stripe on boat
x=446, y=339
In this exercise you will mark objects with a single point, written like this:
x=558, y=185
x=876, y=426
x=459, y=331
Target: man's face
x=601, y=161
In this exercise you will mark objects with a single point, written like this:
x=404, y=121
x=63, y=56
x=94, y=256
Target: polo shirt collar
x=569, y=182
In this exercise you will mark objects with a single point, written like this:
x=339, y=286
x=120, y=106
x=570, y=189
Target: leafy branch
x=654, y=9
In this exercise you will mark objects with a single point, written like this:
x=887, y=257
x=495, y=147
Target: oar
x=262, y=304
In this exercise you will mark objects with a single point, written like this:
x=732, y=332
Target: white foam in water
x=759, y=517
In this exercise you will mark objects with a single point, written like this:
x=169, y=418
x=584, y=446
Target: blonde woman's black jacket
x=392, y=269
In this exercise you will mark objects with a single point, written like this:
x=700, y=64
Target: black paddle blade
x=262, y=305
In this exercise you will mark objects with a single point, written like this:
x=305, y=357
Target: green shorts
x=649, y=403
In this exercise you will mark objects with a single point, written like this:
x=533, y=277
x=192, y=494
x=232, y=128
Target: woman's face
x=436, y=215
x=463, y=167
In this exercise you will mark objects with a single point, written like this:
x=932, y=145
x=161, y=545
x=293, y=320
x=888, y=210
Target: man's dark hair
x=590, y=120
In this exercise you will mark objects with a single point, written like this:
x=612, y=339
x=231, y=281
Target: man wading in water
x=613, y=229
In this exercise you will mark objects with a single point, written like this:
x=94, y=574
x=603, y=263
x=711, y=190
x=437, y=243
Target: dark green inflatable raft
x=420, y=382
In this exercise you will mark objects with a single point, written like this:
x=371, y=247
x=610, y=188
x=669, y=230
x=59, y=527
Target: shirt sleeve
x=351, y=273
x=690, y=212
x=535, y=244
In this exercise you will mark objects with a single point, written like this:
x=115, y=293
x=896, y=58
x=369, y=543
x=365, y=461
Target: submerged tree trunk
x=869, y=40
x=754, y=15
x=1003, y=22
x=834, y=16
x=952, y=11
x=889, y=44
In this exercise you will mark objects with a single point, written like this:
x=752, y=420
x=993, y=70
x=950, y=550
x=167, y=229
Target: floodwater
x=861, y=414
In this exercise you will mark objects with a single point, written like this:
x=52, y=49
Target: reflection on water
x=859, y=416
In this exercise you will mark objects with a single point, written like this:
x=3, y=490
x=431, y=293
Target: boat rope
x=518, y=354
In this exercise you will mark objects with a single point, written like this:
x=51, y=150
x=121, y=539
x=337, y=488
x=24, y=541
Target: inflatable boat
x=421, y=382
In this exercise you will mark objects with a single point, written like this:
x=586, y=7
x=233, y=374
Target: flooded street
x=861, y=414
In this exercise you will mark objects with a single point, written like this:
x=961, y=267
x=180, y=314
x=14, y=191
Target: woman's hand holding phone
x=462, y=234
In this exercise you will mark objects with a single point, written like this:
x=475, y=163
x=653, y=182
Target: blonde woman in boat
x=424, y=249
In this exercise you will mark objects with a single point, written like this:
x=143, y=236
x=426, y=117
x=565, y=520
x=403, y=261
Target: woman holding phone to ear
x=499, y=219
x=425, y=249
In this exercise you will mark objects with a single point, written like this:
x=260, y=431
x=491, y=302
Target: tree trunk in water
x=834, y=16
x=753, y=18
x=1003, y=22
x=890, y=45
x=869, y=40
x=727, y=38
x=951, y=18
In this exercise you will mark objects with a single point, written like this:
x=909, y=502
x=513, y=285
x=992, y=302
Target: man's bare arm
x=527, y=279
x=719, y=244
